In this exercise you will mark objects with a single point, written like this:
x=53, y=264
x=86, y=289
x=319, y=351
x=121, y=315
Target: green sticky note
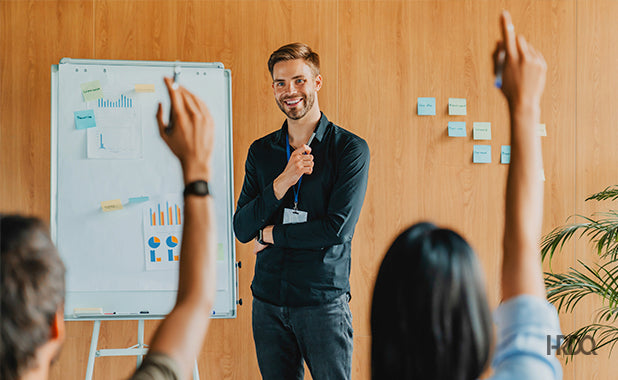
x=91, y=90
x=481, y=131
x=220, y=253
x=457, y=106
x=84, y=119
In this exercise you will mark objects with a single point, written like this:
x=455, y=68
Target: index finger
x=508, y=33
x=175, y=97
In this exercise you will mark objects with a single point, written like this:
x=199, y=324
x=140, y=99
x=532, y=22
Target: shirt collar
x=320, y=130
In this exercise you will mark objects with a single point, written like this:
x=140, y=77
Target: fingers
x=508, y=34
x=189, y=100
x=498, y=57
x=160, y=121
x=522, y=47
x=174, y=93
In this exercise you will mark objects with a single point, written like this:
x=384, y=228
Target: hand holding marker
x=170, y=125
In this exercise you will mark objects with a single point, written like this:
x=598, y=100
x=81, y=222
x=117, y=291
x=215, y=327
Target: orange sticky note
x=112, y=205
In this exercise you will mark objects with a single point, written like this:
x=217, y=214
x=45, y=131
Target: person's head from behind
x=295, y=70
x=32, y=283
x=430, y=318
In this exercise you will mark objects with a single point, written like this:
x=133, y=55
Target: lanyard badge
x=295, y=215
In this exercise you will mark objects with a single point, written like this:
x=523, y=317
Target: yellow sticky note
x=91, y=90
x=457, y=106
x=112, y=205
x=542, y=131
x=144, y=88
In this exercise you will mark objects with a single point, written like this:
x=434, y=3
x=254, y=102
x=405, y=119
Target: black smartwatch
x=199, y=188
x=260, y=238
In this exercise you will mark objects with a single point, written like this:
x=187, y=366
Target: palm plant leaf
x=590, y=338
x=603, y=232
x=611, y=192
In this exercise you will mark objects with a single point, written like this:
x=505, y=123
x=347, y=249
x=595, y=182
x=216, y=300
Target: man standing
x=301, y=198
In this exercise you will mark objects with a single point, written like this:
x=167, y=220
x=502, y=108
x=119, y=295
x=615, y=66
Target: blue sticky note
x=482, y=154
x=138, y=199
x=84, y=119
x=426, y=106
x=505, y=154
x=457, y=128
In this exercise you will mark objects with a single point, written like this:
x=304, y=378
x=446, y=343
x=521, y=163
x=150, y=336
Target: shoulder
x=347, y=141
x=265, y=143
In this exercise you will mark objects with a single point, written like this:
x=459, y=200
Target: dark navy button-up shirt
x=309, y=263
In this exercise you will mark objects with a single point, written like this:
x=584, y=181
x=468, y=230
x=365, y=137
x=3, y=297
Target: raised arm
x=523, y=83
x=181, y=335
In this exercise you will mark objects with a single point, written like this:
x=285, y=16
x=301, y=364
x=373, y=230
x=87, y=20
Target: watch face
x=201, y=188
x=197, y=188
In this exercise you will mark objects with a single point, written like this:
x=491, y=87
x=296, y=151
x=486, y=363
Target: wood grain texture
x=597, y=138
x=377, y=57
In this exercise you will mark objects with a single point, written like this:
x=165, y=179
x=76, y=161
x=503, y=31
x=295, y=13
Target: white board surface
x=126, y=261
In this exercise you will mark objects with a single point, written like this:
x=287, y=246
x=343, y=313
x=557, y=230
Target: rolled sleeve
x=524, y=324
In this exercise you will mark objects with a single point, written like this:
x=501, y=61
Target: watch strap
x=199, y=187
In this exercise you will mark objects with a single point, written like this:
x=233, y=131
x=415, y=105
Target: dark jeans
x=321, y=335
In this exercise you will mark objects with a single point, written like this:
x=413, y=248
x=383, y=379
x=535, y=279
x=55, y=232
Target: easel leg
x=93, y=349
x=140, y=340
x=196, y=374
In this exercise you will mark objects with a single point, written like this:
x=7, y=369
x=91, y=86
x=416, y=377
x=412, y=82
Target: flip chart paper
x=482, y=131
x=84, y=119
x=457, y=106
x=457, y=128
x=482, y=154
x=426, y=106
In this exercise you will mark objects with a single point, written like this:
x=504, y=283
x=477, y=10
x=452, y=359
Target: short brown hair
x=32, y=283
x=296, y=50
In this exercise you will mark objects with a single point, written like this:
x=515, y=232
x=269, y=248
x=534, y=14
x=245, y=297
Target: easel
x=139, y=350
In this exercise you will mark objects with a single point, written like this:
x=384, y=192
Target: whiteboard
x=125, y=261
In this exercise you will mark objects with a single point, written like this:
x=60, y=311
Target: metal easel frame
x=139, y=350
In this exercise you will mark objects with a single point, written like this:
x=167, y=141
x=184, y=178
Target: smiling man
x=301, y=198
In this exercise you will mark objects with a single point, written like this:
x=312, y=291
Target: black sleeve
x=255, y=206
x=344, y=206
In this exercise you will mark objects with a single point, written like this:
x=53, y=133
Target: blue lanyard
x=295, y=188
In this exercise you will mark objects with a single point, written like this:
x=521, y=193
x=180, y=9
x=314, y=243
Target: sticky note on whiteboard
x=84, y=119
x=91, y=90
x=457, y=128
x=481, y=131
x=542, y=130
x=457, y=106
x=426, y=106
x=481, y=154
x=112, y=205
x=505, y=154
x=144, y=88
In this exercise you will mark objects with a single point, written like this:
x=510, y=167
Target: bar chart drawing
x=163, y=232
x=122, y=102
x=169, y=215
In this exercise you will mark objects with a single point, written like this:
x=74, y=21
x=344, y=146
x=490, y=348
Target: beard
x=297, y=114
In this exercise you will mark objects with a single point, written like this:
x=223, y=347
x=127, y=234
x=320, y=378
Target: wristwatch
x=260, y=238
x=199, y=187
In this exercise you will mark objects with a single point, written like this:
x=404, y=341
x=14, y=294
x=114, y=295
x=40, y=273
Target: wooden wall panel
x=597, y=139
x=377, y=58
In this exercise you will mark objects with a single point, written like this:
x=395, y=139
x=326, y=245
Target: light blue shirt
x=523, y=324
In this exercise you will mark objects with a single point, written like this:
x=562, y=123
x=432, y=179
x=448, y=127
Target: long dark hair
x=430, y=318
